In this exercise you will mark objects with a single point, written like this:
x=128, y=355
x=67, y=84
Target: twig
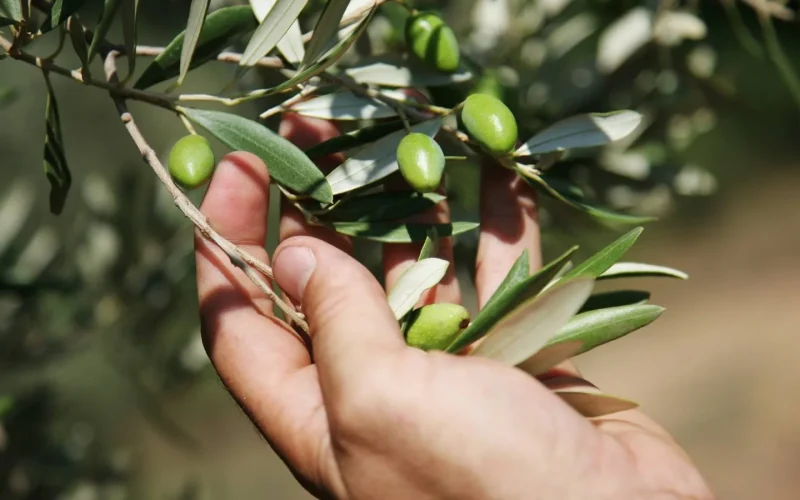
x=287, y=104
x=226, y=57
x=249, y=265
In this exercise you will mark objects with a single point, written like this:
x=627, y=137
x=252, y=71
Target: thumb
x=352, y=326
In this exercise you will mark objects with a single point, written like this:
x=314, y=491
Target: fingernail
x=293, y=268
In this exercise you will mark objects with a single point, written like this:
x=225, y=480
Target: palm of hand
x=372, y=418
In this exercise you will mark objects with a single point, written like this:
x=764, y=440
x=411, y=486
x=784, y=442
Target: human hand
x=369, y=417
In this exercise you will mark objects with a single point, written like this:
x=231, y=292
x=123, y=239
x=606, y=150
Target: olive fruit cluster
x=421, y=162
x=490, y=123
x=191, y=161
x=431, y=40
x=436, y=326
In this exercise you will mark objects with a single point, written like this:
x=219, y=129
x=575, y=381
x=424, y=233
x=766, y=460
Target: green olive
x=436, y=326
x=431, y=40
x=490, y=123
x=191, y=161
x=421, y=162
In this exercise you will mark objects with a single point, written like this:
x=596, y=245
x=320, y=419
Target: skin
x=369, y=417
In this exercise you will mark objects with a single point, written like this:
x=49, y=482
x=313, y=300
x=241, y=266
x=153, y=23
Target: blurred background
x=106, y=392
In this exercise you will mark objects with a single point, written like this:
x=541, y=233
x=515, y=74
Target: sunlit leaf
x=221, y=27
x=585, y=398
x=431, y=246
x=595, y=328
x=615, y=298
x=375, y=161
x=346, y=105
x=516, y=288
x=384, y=206
x=582, y=131
x=623, y=38
x=291, y=44
x=391, y=232
x=392, y=71
x=525, y=330
x=197, y=16
x=130, y=11
x=110, y=8
x=59, y=12
x=77, y=35
x=326, y=28
x=636, y=269
x=549, y=357
x=354, y=139
x=288, y=166
x=275, y=24
x=600, y=262
x=414, y=281
x=55, y=162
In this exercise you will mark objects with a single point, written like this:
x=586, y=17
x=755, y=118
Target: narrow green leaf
x=595, y=328
x=600, y=214
x=515, y=289
x=384, y=206
x=194, y=26
x=291, y=44
x=600, y=262
x=394, y=71
x=346, y=105
x=414, y=281
x=326, y=61
x=353, y=139
x=326, y=28
x=585, y=398
x=615, y=298
x=55, y=162
x=77, y=35
x=375, y=161
x=549, y=357
x=431, y=246
x=271, y=30
x=582, y=131
x=525, y=330
x=288, y=166
x=130, y=14
x=60, y=11
x=220, y=29
x=110, y=8
x=10, y=12
x=391, y=232
x=636, y=269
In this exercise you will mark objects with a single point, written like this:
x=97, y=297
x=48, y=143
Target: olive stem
x=187, y=124
x=287, y=104
x=251, y=267
x=456, y=158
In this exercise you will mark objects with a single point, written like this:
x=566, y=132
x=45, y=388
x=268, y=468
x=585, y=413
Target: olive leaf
x=549, y=357
x=375, y=161
x=354, y=139
x=220, y=28
x=55, y=162
x=636, y=269
x=516, y=288
x=291, y=44
x=600, y=262
x=60, y=11
x=272, y=28
x=10, y=12
x=524, y=331
x=585, y=398
x=130, y=11
x=398, y=232
x=414, y=281
x=77, y=35
x=110, y=8
x=394, y=71
x=287, y=164
x=382, y=206
x=559, y=192
x=345, y=105
x=326, y=28
x=430, y=247
x=615, y=298
x=582, y=131
x=595, y=328
x=197, y=16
